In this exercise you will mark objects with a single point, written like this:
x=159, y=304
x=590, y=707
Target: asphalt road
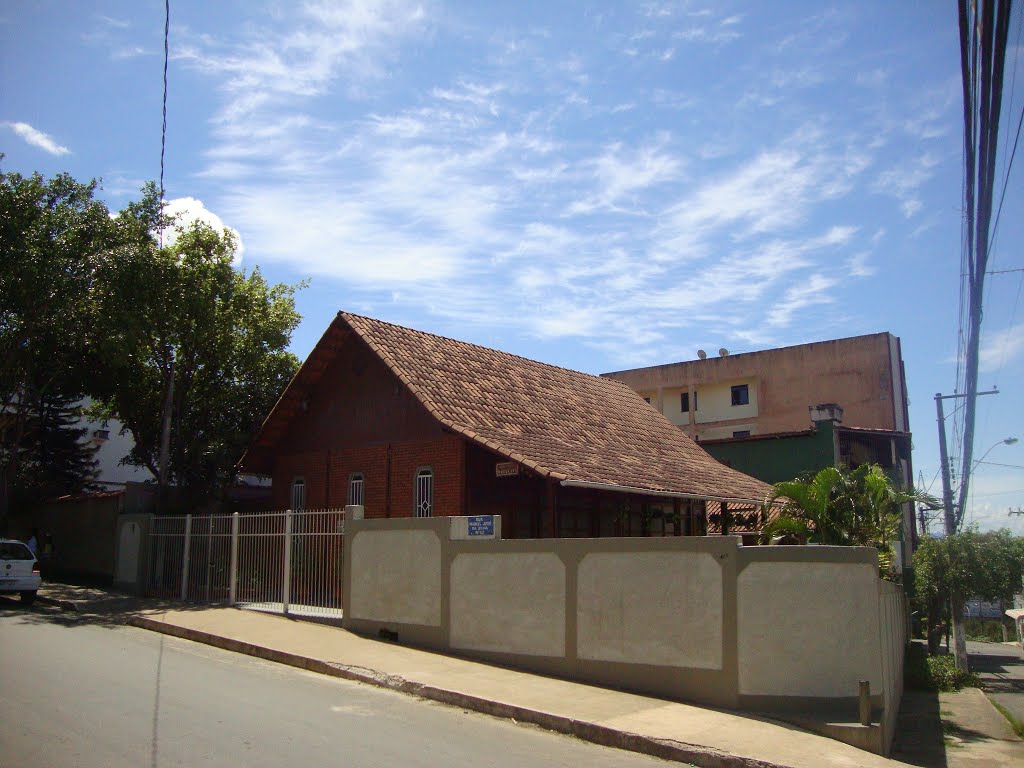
x=76, y=692
x=1001, y=669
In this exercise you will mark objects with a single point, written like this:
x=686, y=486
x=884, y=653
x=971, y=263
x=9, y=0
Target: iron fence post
x=209, y=558
x=287, y=560
x=233, y=574
x=185, y=556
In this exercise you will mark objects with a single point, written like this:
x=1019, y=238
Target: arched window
x=298, y=494
x=355, y=488
x=424, y=496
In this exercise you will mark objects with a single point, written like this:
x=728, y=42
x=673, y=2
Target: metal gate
x=283, y=562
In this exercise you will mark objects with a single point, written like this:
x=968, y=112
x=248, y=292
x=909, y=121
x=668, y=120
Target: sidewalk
x=665, y=729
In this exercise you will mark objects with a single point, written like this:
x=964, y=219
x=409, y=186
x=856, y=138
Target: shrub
x=922, y=672
x=985, y=630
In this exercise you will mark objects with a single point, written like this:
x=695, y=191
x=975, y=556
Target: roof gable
x=560, y=423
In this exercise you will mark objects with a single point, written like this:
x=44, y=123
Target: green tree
x=53, y=236
x=213, y=335
x=56, y=457
x=859, y=507
x=960, y=566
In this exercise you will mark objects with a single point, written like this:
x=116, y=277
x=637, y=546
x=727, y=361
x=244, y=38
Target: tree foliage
x=953, y=569
x=53, y=236
x=217, y=335
x=970, y=564
x=91, y=304
x=858, y=507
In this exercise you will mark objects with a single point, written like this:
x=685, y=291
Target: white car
x=19, y=570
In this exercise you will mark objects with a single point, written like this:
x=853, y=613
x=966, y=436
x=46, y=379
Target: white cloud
x=325, y=41
x=858, y=266
x=187, y=210
x=38, y=139
x=774, y=191
x=813, y=292
x=905, y=180
x=1001, y=347
x=620, y=173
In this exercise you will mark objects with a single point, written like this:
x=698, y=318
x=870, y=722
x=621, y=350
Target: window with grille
x=424, y=492
x=298, y=494
x=355, y=488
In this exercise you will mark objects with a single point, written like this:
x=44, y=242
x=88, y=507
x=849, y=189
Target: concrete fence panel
x=511, y=602
x=782, y=630
x=661, y=608
x=807, y=629
x=396, y=577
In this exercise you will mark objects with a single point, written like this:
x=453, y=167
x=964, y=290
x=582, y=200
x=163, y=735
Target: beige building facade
x=770, y=392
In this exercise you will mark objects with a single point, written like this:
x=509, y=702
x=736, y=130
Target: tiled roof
x=563, y=424
x=560, y=423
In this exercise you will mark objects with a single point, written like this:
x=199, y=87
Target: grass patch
x=1017, y=725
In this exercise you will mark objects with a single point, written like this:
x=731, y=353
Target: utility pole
x=949, y=515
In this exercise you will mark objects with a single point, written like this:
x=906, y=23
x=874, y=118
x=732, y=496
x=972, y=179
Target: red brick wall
x=446, y=457
x=327, y=473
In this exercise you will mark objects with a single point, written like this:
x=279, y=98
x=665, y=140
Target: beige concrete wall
x=894, y=633
x=510, y=603
x=828, y=614
x=661, y=608
x=395, y=576
x=771, y=629
x=714, y=401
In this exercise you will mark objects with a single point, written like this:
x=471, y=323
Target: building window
x=355, y=488
x=741, y=433
x=684, y=402
x=298, y=494
x=424, y=506
x=740, y=394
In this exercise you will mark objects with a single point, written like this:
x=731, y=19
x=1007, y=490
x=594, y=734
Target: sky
x=594, y=185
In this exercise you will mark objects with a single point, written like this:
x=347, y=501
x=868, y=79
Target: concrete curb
x=696, y=754
x=64, y=605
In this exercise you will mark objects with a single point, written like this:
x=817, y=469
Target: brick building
x=407, y=423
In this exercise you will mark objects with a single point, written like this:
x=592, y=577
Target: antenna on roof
x=702, y=354
x=723, y=352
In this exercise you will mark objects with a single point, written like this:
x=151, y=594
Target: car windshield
x=14, y=550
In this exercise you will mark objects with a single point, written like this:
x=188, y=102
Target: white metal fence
x=284, y=562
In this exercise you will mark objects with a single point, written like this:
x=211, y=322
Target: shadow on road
x=92, y=606
x=920, y=738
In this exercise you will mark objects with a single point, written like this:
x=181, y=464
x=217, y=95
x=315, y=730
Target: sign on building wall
x=481, y=525
x=474, y=528
x=506, y=469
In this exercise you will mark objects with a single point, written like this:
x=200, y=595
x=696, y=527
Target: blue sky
x=595, y=185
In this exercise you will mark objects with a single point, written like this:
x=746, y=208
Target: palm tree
x=841, y=507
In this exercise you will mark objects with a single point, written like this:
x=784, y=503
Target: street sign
x=481, y=525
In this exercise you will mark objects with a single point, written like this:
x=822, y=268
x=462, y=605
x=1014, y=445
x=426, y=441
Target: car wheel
x=28, y=597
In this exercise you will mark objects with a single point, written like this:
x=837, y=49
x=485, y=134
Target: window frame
x=297, y=482
x=739, y=394
x=424, y=479
x=356, y=495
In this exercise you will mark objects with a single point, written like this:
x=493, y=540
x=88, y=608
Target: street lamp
x=1007, y=441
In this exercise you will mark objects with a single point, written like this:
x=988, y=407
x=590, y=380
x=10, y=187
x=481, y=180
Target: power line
x=163, y=129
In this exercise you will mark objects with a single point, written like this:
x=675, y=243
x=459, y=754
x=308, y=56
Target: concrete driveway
x=1001, y=669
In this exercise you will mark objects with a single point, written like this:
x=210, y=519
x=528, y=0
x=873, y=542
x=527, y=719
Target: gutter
x=649, y=492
